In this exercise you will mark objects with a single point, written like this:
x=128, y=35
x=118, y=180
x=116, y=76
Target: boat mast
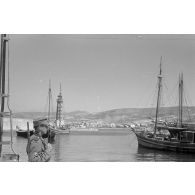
x=180, y=99
x=159, y=95
x=2, y=83
x=49, y=94
x=49, y=111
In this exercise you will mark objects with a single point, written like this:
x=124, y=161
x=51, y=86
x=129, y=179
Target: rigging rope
x=51, y=102
x=153, y=101
x=46, y=105
x=140, y=102
x=187, y=95
x=185, y=99
x=169, y=96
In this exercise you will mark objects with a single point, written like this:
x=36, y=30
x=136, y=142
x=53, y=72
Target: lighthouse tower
x=59, y=109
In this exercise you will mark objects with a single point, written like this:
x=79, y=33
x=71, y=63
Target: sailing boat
x=51, y=132
x=172, y=137
x=23, y=132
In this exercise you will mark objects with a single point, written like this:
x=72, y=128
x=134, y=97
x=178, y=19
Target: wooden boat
x=23, y=133
x=169, y=143
x=86, y=129
x=61, y=130
x=51, y=132
x=178, y=137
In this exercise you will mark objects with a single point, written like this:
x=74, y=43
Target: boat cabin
x=181, y=134
x=187, y=136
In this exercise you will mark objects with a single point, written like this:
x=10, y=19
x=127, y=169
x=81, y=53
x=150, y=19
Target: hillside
x=115, y=115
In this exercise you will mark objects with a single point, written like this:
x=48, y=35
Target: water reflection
x=105, y=145
x=146, y=154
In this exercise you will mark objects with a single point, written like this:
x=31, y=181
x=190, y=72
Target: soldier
x=37, y=148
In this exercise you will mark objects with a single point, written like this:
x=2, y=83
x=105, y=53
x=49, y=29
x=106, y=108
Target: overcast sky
x=97, y=72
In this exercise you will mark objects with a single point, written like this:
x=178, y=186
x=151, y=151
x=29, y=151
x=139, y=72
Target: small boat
x=61, y=131
x=23, y=133
x=183, y=141
x=86, y=129
x=171, y=136
x=51, y=132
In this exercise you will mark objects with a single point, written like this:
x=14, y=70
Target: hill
x=116, y=115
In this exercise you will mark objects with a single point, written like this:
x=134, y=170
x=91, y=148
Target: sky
x=97, y=72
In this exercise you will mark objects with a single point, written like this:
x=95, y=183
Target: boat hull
x=24, y=133
x=84, y=129
x=165, y=145
x=62, y=131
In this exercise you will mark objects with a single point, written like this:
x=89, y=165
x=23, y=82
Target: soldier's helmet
x=40, y=121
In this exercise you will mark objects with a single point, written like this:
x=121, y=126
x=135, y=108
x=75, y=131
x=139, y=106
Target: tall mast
x=2, y=83
x=49, y=94
x=2, y=70
x=49, y=111
x=159, y=96
x=180, y=99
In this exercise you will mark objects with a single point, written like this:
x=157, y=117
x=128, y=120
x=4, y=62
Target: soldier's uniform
x=37, y=148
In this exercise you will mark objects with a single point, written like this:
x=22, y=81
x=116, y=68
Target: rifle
x=28, y=136
x=49, y=134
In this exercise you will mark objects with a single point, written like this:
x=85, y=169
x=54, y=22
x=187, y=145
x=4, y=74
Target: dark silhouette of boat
x=178, y=137
x=23, y=133
x=51, y=133
x=182, y=140
x=60, y=130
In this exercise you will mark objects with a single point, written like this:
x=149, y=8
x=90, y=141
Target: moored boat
x=61, y=131
x=51, y=132
x=83, y=129
x=23, y=133
x=178, y=137
x=183, y=142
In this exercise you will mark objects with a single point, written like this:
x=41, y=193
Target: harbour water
x=105, y=145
